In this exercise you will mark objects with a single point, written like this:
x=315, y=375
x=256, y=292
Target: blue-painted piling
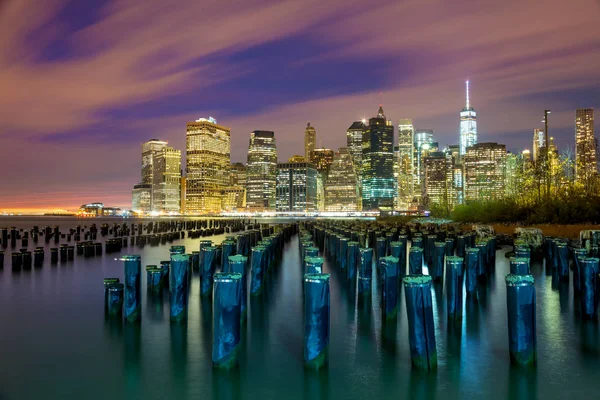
x=589, y=287
x=310, y=252
x=389, y=287
x=562, y=261
x=179, y=286
x=227, y=249
x=449, y=242
x=227, y=312
x=415, y=261
x=421, y=329
x=365, y=271
x=153, y=278
x=471, y=270
x=460, y=246
x=314, y=265
x=238, y=264
x=343, y=252
x=353, y=260
x=316, y=320
x=578, y=254
x=519, y=266
x=436, y=270
x=482, y=270
x=522, y=251
x=132, y=307
x=257, y=270
x=520, y=300
x=381, y=249
x=208, y=256
x=115, y=299
x=454, y=287
x=108, y=282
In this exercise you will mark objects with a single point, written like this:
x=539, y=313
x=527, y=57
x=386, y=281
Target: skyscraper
x=354, y=137
x=539, y=142
x=436, y=178
x=261, y=171
x=378, y=164
x=485, y=168
x=406, y=151
x=141, y=198
x=207, y=165
x=423, y=144
x=586, y=165
x=341, y=188
x=322, y=159
x=296, y=187
x=234, y=196
x=310, y=141
x=166, y=181
x=149, y=151
x=468, y=125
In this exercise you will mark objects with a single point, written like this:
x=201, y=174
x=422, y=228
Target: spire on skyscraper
x=380, y=113
x=467, y=103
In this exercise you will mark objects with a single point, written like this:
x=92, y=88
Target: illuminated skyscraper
x=468, y=125
x=141, y=198
x=261, y=171
x=539, y=142
x=423, y=144
x=378, y=164
x=436, y=178
x=586, y=165
x=149, y=151
x=485, y=168
x=322, y=159
x=405, y=160
x=310, y=141
x=455, y=176
x=296, y=187
x=238, y=174
x=341, y=185
x=207, y=165
x=234, y=196
x=354, y=137
x=513, y=184
x=166, y=181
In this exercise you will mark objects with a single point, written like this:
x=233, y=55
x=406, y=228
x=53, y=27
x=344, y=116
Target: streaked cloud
x=77, y=99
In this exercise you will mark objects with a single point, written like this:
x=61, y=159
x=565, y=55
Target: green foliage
x=573, y=209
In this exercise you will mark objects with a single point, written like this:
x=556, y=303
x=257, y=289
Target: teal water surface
x=56, y=343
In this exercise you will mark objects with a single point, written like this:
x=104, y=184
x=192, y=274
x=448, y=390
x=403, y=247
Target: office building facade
x=261, y=172
x=207, y=165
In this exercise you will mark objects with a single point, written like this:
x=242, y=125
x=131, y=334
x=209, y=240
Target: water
x=56, y=344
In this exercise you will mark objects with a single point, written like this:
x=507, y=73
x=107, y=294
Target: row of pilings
x=229, y=273
x=162, y=229
x=413, y=259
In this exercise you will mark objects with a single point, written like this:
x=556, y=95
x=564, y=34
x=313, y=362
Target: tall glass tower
x=261, y=171
x=378, y=183
x=468, y=126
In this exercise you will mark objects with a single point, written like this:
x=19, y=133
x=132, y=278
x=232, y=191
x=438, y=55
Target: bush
x=556, y=210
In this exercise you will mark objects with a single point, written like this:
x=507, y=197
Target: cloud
x=68, y=91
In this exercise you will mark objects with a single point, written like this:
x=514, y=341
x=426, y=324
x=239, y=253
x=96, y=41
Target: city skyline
x=100, y=100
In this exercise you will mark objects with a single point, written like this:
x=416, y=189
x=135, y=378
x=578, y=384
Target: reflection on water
x=132, y=333
x=316, y=385
x=369, y=357
x=422, y=385
x=522, y=383
x=226, y=384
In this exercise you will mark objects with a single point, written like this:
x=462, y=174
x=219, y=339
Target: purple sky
x=84, y=83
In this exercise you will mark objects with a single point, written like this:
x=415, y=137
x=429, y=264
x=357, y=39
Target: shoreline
x=569, y=231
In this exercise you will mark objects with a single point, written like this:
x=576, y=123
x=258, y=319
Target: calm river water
x=56, y=344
